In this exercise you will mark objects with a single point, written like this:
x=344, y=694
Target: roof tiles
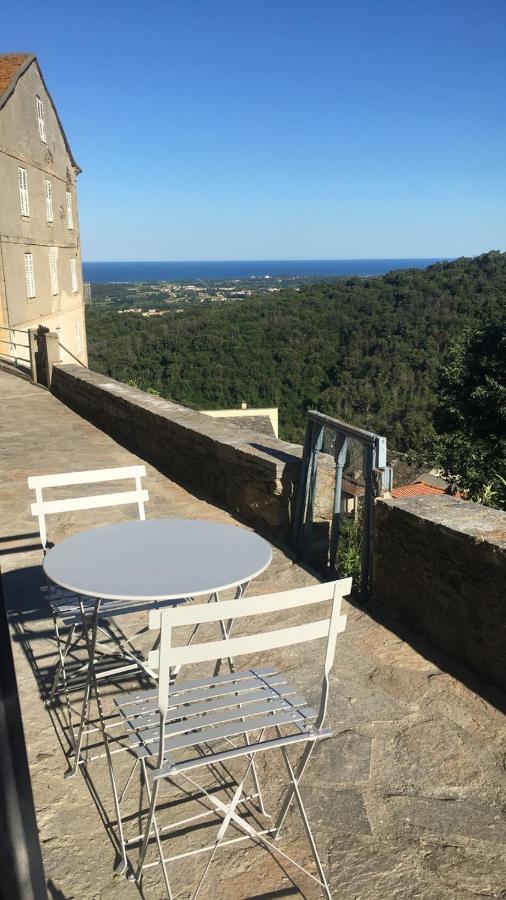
x=9, y=65
x=422, y=489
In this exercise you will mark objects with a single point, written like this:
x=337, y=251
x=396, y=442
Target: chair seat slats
x=214, y=709
x=172, y=768
x=234, y=729
x=209, y=693
x=194, y=685
x=189, y=713
x=67, y=606
x=222, y=716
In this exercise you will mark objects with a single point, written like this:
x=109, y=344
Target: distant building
x=426, y=485
x=263, y=420
x=40, y=256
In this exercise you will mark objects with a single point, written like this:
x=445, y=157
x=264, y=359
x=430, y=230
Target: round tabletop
x=157, y=559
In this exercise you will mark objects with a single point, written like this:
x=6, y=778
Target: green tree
x=471, y=415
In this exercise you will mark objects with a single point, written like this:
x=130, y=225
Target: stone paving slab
x=407, y=799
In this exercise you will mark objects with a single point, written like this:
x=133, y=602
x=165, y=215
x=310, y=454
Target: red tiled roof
x=9, y=65
x=419, y=489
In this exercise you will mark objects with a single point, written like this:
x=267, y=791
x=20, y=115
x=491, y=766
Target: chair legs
x=293, y=791
x=230, y=816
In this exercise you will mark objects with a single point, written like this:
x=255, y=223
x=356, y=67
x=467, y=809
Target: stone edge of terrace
x=249, y=472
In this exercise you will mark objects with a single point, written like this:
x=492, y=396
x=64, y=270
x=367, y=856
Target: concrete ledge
x=252, y=474
x=440, y=566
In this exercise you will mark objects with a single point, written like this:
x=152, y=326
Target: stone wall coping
x=481, y=523
x=276, y=452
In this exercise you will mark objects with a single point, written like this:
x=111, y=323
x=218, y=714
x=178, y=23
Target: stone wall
x=252, y=474
x=440, y=566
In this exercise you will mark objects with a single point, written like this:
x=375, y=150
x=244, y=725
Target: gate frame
x=377, y=479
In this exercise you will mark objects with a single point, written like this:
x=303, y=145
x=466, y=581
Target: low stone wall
x=440, y=566
x=252, y=474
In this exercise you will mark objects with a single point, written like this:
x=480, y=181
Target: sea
x=228, y=270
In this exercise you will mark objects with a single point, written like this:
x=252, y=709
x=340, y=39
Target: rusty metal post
x=32, y=350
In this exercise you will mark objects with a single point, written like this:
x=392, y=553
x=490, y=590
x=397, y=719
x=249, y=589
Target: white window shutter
x=23, y=192
x=40, y=119
x=49, y=201
x=53, y=269
x=73, y=273
x=30, y=277
x=70, y=217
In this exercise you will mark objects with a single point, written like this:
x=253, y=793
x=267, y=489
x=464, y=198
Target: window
x=73, y=274
x=40, y=119
x=49, y=201
x=79, y=338
x=53, y=270
x=30, y=278
x=70, y=218
x=23, y=192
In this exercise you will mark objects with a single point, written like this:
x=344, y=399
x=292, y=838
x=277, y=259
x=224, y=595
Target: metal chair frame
x=193, y=715
x=78, y=613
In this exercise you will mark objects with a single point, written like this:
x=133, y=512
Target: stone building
x=40, y=256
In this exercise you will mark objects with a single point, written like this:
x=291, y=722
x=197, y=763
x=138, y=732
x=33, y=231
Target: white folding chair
x=66, y=607
x=211, y=721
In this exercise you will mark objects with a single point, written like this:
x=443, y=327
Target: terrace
x=407, y=798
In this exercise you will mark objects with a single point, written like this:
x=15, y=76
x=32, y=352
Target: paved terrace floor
x=408, y=797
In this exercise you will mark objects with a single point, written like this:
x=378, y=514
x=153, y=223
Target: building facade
x=40, y=256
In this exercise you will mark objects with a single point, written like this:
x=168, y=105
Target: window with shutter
x=40, y=119
x=53, y=269
x=23, y=192
x=70, y=218
x=73, y=274
x=49, y=201
x=29, y=275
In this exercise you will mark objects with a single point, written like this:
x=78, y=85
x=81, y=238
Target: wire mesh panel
x=343, y=469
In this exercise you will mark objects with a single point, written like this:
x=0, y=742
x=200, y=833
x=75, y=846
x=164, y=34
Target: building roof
x=423, y=487
x=12, y=67
x=417, y=489
x=259, y=423
x=10, y=63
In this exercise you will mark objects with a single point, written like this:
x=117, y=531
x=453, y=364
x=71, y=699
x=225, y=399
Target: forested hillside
x=366, y=350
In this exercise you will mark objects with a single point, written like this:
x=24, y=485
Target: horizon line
x=281, y=259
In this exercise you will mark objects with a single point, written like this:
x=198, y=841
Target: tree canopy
x=471, y=414
x=367, y=350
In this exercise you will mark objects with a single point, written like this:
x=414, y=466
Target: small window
x=49, y=201
x=30, y=278
x=53, y=270
x=40, y=120
x=73, y=274
x=70, y=217
x=23, y=192
x=79, y=337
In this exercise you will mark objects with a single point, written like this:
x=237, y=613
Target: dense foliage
x=471, y=414
x=364, y=349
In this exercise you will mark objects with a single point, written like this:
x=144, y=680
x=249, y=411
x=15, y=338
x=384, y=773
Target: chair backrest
x=166, y=656
x=41, y=508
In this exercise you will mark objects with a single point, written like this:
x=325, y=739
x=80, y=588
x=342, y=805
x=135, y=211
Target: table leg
x=226, y=627
x=90, y=678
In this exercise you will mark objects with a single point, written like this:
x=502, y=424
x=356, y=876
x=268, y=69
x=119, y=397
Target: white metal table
x=157, y=559
x=137, y=565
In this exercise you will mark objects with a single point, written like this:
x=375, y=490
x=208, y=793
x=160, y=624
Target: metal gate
x=343, y=469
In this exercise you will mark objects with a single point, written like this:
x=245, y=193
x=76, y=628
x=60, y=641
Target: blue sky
x=264, y=129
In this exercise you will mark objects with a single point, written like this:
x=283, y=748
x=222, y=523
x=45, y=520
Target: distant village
x=160, y=298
